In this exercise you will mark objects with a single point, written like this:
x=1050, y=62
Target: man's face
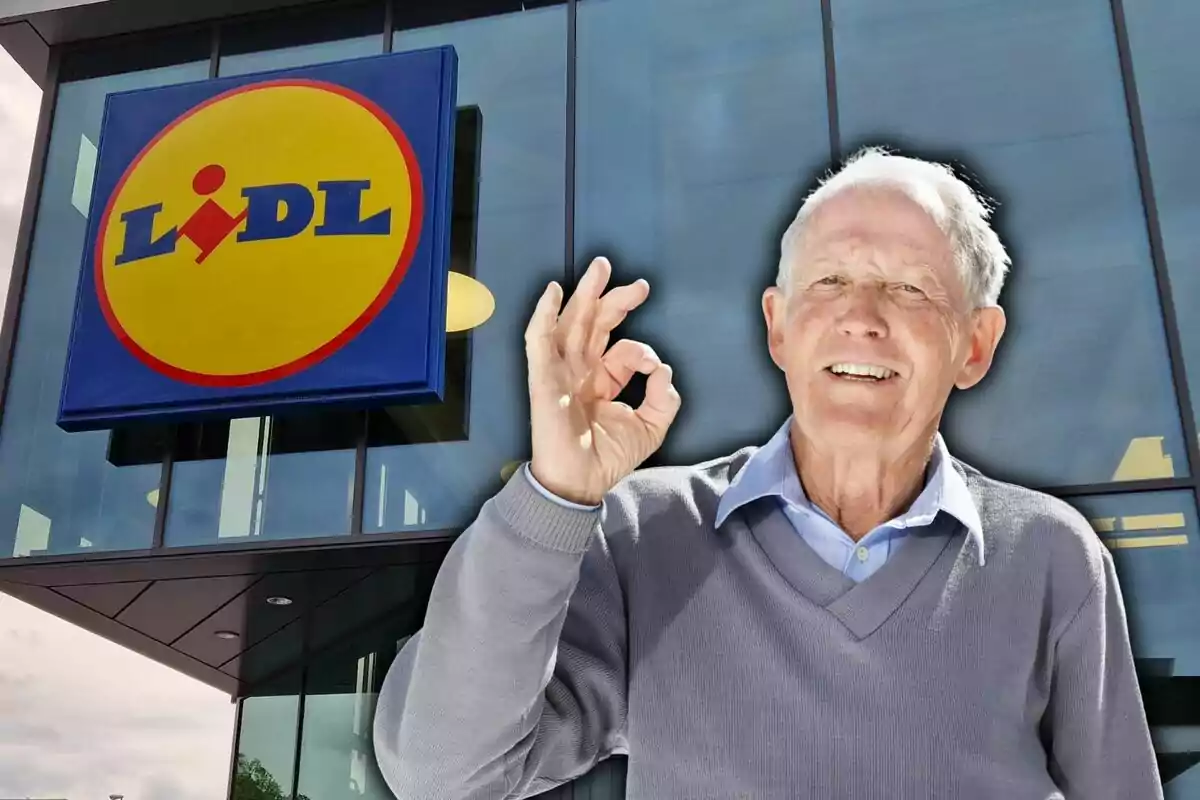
x=875, y=328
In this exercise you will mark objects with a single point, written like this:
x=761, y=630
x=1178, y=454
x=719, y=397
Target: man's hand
x=583, y=441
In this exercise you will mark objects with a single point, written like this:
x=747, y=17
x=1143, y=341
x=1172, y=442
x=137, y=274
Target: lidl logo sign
x=268, y=240
x=211, y=223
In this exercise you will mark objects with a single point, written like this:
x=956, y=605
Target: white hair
x=961, y=214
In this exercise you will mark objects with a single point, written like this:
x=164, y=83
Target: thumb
x=661, y=403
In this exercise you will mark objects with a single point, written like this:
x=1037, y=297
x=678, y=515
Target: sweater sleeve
x=516, y=683
x=1100, y=746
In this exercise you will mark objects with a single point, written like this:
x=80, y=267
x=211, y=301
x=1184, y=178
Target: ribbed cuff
x=549, y=495
x=543, y=521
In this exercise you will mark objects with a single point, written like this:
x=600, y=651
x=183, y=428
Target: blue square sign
x=267, y=241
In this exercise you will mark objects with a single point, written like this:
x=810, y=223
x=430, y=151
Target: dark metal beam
x=168, y=564
x=1121, y=487
x=24, y=247
x=28, y=49
x=835, y=135
x=61, y=606
x=233, y=752
x=94, y=20
x=569, y=182
x=389, y=25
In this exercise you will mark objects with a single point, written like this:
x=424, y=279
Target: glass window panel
x=70, y=492
x=512, y=69
x=606, y=781
x=135, y=52
x=1029, y=94
x=283, y=477
x=266, y=741
x=1178, y=748
x=1166, y=65
x=337, y=756
x=1156, y=548
x=300, y=36
x=700, y=124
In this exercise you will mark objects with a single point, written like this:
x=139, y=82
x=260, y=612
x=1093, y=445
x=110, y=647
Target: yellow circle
x=255, y=310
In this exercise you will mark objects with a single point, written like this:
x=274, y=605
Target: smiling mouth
x=862, y=373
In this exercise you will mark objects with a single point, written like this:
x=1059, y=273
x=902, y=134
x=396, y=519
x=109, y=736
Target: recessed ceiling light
x=279, y=600
x=226, y=634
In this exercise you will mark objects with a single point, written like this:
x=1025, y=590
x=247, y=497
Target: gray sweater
x=734, y=663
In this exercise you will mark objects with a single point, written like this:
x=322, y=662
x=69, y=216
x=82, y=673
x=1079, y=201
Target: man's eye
x=830, y=280
x=908, y=288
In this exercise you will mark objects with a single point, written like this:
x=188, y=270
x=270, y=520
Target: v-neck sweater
x=733, y=662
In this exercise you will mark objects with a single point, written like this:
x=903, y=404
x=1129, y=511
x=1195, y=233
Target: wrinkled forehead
x=884, y=219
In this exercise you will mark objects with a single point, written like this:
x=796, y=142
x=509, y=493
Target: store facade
x=285, y=557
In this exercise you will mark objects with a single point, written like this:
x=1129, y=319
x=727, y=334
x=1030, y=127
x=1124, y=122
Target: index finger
x=539, y=333
x=587, y=292
x=614, y=308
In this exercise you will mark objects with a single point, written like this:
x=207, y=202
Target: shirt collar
x=771, y=472
x=765, y=474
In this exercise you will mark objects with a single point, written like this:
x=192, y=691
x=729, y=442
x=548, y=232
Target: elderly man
x=846, y=612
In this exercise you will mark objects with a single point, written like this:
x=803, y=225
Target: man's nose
x=863, y=313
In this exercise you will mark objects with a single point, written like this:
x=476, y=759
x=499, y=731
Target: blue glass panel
x=700, y=124
x=266, y=743
x=1156, y=548
x=1166, y=65
x=1029, y=95
x=300, y=55
x=512, y=69
x=66, y=493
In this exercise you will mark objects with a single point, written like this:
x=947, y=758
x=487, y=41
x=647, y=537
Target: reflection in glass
x=1034, y=102
x=1178, y=748
x=110, y=56
x=1166, y=66
x=1156, y=548
x=700, y=124
x=279, y=477
x=337, y=759
x=266, y=742
x=66, y=492
x=512, y=69
x=300, y=37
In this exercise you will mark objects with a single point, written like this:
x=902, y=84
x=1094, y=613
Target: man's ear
x=986, y=331
x=774, y=304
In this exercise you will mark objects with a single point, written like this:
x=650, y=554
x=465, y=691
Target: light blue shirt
x=771, y=472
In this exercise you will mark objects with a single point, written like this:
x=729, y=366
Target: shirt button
x=862, y=553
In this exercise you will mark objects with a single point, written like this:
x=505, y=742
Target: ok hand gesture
x=583, y=441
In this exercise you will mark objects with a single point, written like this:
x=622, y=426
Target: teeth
x=862, y=370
